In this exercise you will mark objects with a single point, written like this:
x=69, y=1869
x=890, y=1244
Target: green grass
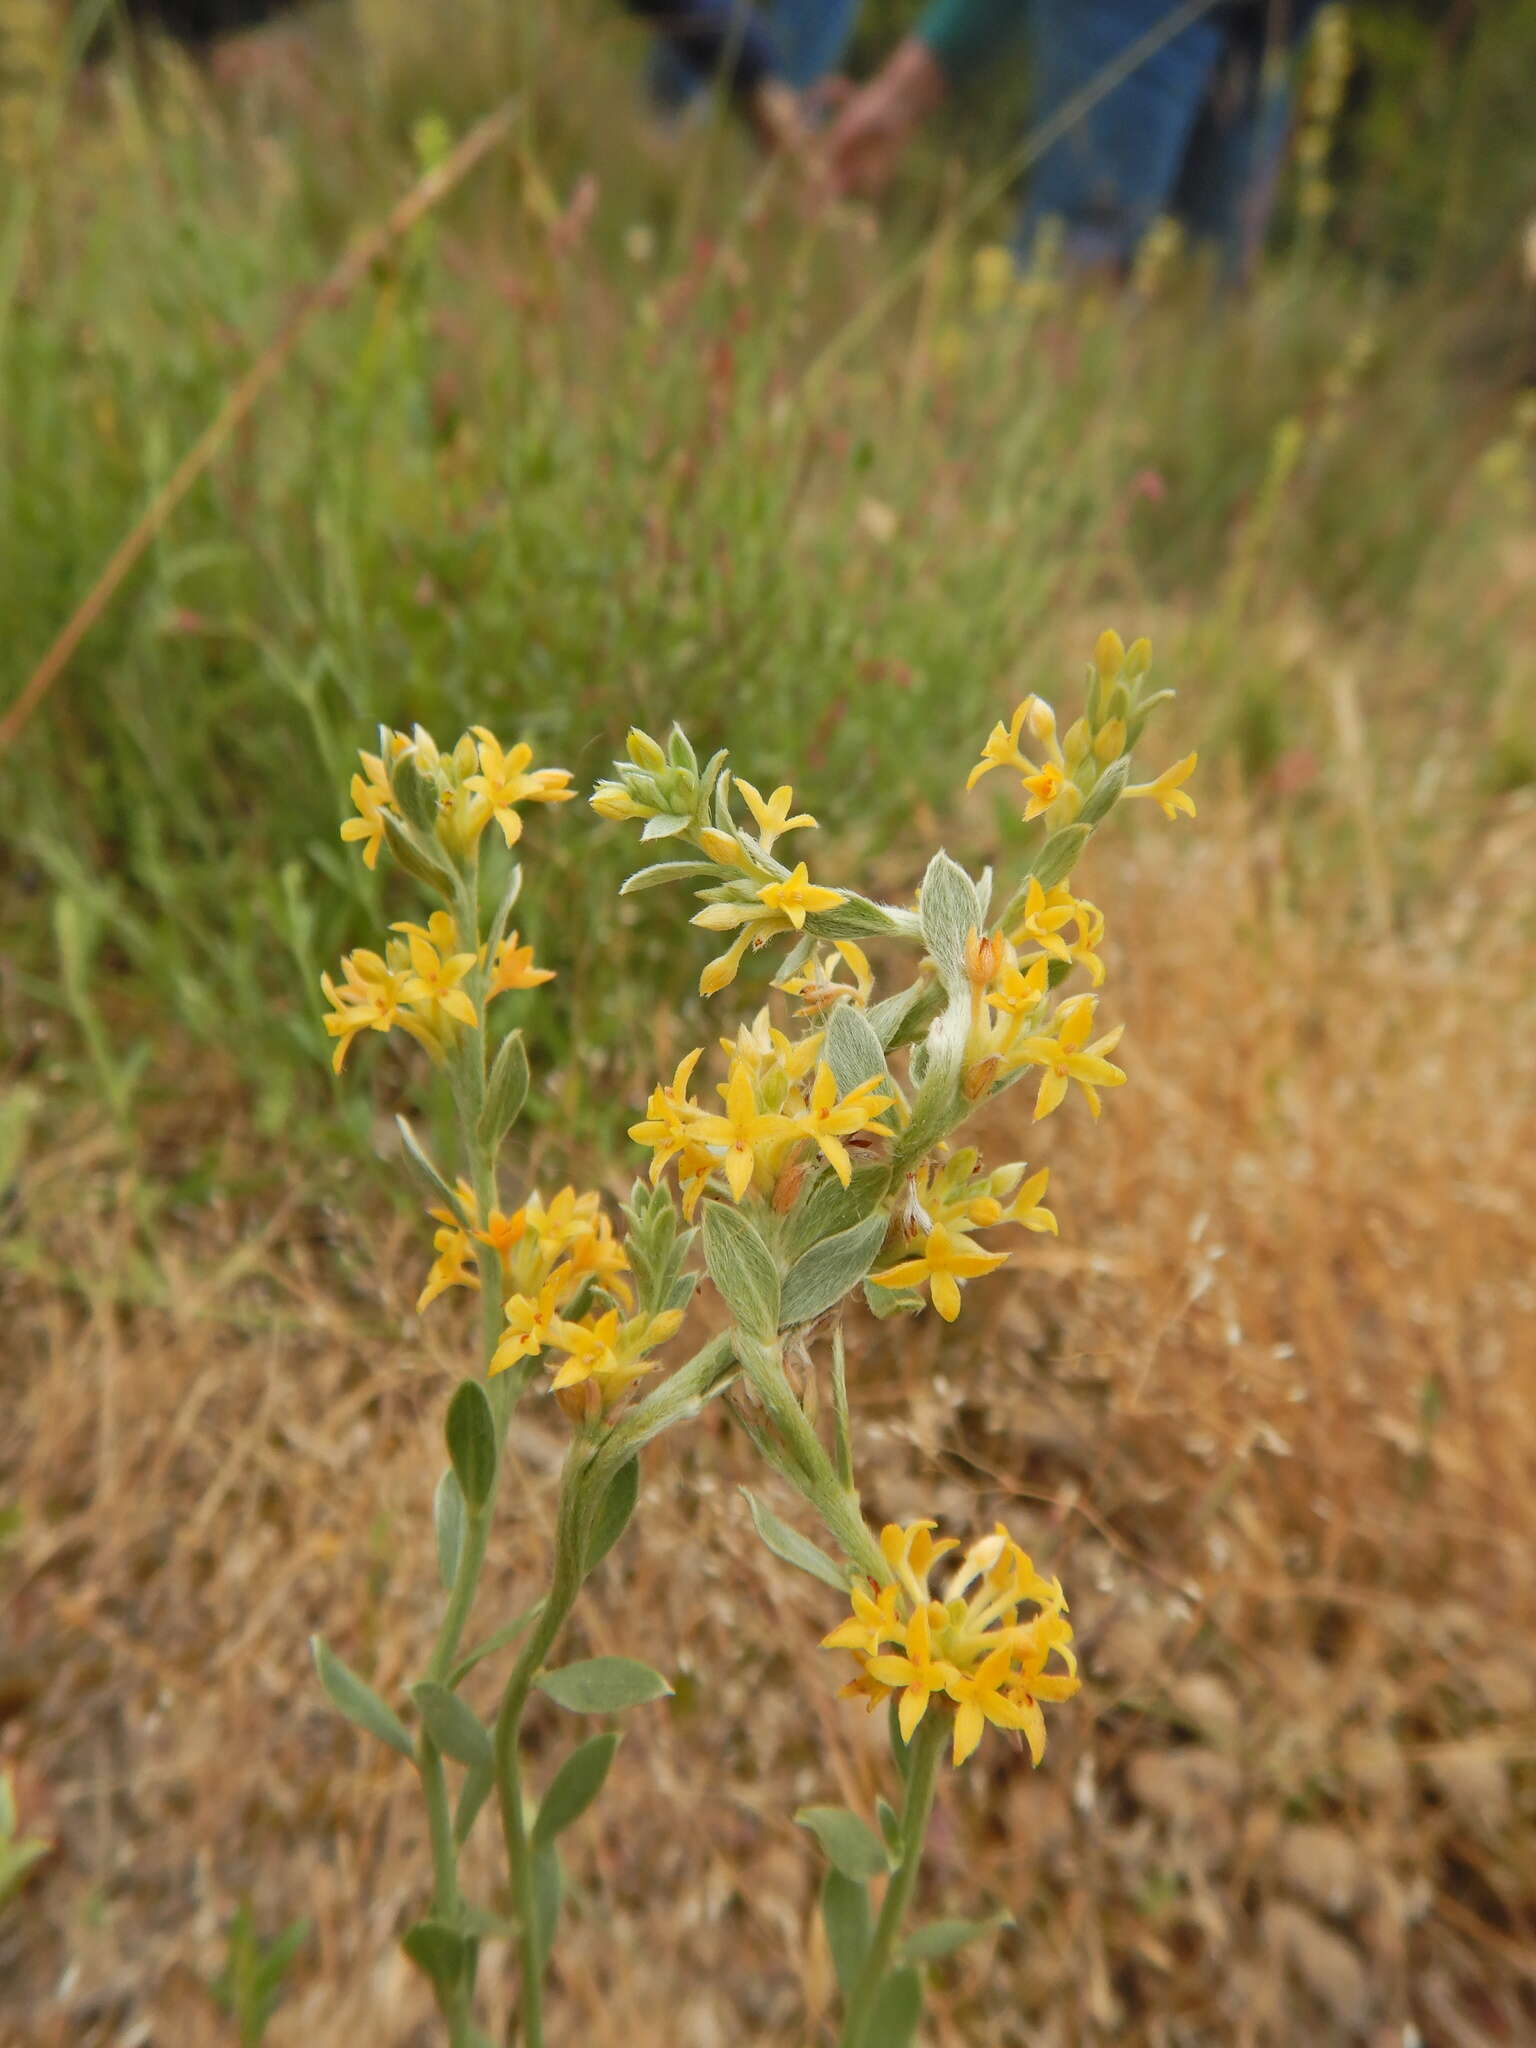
x=760, y=475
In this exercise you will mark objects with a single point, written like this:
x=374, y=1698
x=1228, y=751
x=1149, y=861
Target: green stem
x=807, y=1466
x=922, y=1777
x=564, y=1586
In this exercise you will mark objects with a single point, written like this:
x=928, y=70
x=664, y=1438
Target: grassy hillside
x=628, y=430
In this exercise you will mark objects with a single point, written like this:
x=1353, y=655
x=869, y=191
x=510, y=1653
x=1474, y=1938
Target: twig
x=429, y=191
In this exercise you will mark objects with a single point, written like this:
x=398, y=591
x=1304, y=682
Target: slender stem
x=465, y=1579
x=446, y=1898
x=922, y=1776
x=564, y=1586
x=840, y=1409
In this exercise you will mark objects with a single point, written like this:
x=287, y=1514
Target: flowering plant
x=826, y=1166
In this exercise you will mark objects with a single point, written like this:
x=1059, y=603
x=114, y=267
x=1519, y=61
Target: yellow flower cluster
x=941, y=1208
x=781, y=1105
x=1058, y=784
x=969, y=1652
x=476, y=782
x=418, y=983
x=564, y=1283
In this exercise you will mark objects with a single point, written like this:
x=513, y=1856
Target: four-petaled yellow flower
x=433, y=982
x=828, y=1119
x=1042, y=784
x=373, y=798
x=818, y=986
x=454, y=1265
x=1066, y=1056
x=1167, y=790
x=744, y=1131
x=531, y=1322
x=515, y=969
x=1048, y=913
x=503, y=783
x=772, y=813
x=666, y=1123
x=969, y=1652
x=610, y=1352
x=798, y=895
x=948, y=1257
x=371, y=997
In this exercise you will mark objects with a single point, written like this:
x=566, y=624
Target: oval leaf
x=576, y=1784
x=897, y=2010
x=439, y=1951
x=613, y=1513
x=827, y=1272
x=358, y=1701
x=794, y=1548
x=944, y=1937
x=845, y=1915
x=1058, y=856
x=448, y=1526
x=471, y=1434
x=452, y=1725
x=851, y=1844
x=505, y=1092
x=603, y=1685
x=950, y=910
x=479, y=1782
x=852, y=1048
x=742, y=1267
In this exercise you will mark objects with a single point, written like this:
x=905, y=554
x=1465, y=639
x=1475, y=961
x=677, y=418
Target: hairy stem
x=922, y=1777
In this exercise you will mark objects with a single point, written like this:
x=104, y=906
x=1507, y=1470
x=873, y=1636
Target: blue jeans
x=811, y=36
x=1196, y=131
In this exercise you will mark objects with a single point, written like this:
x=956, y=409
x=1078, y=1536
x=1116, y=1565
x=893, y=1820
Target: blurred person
x=1196, y=130
x=809, y=38
x=705, y=40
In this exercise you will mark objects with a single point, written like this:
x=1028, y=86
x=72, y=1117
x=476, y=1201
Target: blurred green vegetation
x=626, y=432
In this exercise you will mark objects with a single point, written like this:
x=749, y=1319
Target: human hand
x=871, y=133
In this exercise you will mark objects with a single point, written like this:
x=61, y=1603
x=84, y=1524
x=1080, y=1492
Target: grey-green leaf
x=613, y=1512
x=828, y=1270
x=439, y=1951
x=471, y=1434
x=505, y=1092
x=897, y=2010
x=664, y=871
x=358, y=1700
x=448, y=1526
x=479, y=1782
x=852, y=1048
x=576, y=1784
x=845, y=1915
x=603, y=1685
x=830, y=1207
x=851, y=1845
x=451, y=1724
x=548, y=1885
x=742, y=1268
x=950, y=911
x=1058, y=856
x=794, y=1548
x=944, y=1937
x=1106, y=792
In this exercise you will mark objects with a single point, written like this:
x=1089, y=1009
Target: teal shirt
x=965, y=35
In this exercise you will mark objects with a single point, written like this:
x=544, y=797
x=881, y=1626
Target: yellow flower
x=1048, y=913
x=968, y=1652
x=799, y=895
x=454, y=1265
x=818, y=984
x=772, y=815
x=1065, y=1056
x=1025, y=1207
x=373, y=798
x=948, y=1257
x=515, y=969
x=826, y=1120
x=610, y=1352
x=1166, y=791
x=531, y=1321
x=503, y=783
x=744, y=1130
x=665, y=1127
x=370, y=998
x=1042, y=784
x=433, y=982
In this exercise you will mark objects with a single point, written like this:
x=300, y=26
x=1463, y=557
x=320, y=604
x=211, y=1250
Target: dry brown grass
x=1269, y=1407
